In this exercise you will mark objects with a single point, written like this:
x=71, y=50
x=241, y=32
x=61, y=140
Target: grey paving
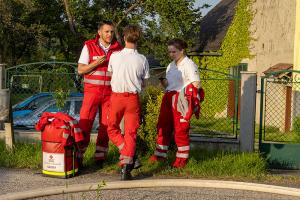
x=17, y=180
x=168, y=193
x=12, y=180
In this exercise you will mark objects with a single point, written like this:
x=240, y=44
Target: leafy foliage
x=151, y=101
x=234, y=48
x=35, y=30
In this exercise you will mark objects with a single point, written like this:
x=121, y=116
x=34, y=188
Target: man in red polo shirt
x=93, y=64
x=129, y=70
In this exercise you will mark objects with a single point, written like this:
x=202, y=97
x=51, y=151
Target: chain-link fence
x=219, y=111
x=43, y=87
x=280, y=110
x=53, y=86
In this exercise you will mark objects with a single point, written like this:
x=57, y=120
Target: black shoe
x=136, y=162
x=99, y=164
x=125, y=172
x=80, y=164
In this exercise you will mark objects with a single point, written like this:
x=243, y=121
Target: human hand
x=100, y=60
x=163, y=82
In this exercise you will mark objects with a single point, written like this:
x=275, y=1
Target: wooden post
x=9, y=136
x=2, y=76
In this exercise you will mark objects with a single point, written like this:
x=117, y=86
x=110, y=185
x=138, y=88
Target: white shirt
x=85, y=56
x=129, y=69
x=181, y=75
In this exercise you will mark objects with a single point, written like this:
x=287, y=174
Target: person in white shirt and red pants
x=179, y=74
x=129, y=70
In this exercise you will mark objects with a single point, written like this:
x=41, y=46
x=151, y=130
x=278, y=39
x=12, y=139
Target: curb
x=152, y=184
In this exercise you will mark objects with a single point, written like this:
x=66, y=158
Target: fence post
x=2, y=76
x=248, y=108
x=5, y=117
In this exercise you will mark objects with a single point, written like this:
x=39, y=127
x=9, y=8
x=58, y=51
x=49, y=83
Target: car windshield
x=38, y=102
x=50, y=106
x=29, y=102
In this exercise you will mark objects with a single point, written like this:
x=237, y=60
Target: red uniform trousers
x=91, y=103
x=127, y=105
x=170, y=121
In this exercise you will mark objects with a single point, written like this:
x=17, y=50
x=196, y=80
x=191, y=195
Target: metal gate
x=279, y=131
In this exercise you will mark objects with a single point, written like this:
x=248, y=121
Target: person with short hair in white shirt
x=129, y=70
x=179, y=74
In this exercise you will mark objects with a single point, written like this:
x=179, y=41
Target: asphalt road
x=168, y=193
x=17, y=180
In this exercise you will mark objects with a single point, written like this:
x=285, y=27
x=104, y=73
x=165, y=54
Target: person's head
x=176, y=48
x=106, y=31
x=132, y=34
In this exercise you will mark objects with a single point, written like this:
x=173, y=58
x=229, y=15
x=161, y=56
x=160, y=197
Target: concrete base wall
x=212, y=144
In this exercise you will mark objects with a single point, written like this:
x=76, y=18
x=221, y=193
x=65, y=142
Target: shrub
x=151, y=101
x=296, y=124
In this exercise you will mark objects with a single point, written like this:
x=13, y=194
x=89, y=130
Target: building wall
x=273, y=33
x=297, y=39
x=273, y=30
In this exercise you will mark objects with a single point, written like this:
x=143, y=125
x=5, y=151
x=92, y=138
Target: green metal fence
x=279, y=131
x=280, y=107
x=35, y=86
x=57, y=80
x=219, y=111
x=29, y=79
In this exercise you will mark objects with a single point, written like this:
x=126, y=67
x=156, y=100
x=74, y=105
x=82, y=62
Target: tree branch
x=70, y=17
x=126, y=12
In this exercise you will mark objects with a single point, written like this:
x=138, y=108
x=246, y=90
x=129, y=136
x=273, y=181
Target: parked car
x=35, y=101
x=72, y=107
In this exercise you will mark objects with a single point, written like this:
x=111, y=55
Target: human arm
x=146, y=73
x=84, y=66
x=194, y=76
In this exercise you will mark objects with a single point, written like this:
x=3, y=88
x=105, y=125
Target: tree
x=34, y=30
x=160, y=20
x=18, y=30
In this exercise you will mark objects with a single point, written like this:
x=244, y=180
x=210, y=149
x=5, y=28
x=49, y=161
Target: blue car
x=32, y=103
x=72, y=107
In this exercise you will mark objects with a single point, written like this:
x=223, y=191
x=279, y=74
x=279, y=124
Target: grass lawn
x=213, y=127
x=202, y=164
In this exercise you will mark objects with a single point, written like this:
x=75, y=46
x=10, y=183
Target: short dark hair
x=177, y=43
x=105, y=22
x=132, y=33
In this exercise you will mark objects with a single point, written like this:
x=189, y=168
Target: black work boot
x=125, y=172
x=99, y=164
x=136, y=162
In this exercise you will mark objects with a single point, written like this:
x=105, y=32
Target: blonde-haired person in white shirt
x=180, y=73
x=129, y=70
